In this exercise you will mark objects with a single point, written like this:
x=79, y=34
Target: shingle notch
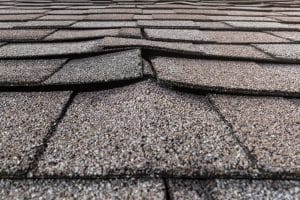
x=118, y=66
x=142, y=129
x=232, y=76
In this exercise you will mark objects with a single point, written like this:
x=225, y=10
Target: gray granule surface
x=19, y=17
x=82, y=189
x=77, y=34
x=27, y=71
x=292, y=35
x=46, y=24
x=47, y=49
x=259, y=25
x=107, y=17
x=228, y=75
x=213, y=36
x=269, y=127
x=225, y=50
x=110, y=67
x=142, y=129
x=234, y=189
x=284, y=51
x=104, y=24
x=28, y=34
x=128, y=42
x=166, y=23
x=25, y=121
x=62, y=17
x=130, y=32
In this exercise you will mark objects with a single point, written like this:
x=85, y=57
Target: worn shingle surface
x=145, y=79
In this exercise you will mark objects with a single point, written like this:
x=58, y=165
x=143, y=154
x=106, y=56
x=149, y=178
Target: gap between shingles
x=41, y=149
x=250, y=156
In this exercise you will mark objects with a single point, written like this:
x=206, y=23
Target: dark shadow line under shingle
x=41, y=149
x=167, y=190
x=250, y=156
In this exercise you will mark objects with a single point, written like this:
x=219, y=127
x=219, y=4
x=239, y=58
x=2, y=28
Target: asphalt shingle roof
x=150, y=99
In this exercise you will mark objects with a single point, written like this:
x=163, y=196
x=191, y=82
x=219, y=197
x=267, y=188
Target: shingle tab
x=269, y=127
x=46, y=49
x=259, y=25
x=104, y=24
x=25, y=120
x=22, y=35
x=110, y=67
x=169, y=133
x=18, y=72
x=83, y=189
x=283, y=51
x=213, y=36
x=233, y=189
x=244, y=77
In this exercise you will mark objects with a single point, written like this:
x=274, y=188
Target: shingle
x=166, y=23
x=19, y=11
x=27, y=71
x=293, y=35
x=179, y=17
x=47, y=24
x=142, y=129
x=143, y=17
x=27, y=34
x=288, y=19
x=176, y=34
x=131, y=32
x=235, y=76
x=232, y=51
x=283, y=51
x=234, y=189
x=25, y=120
x=106, y=17
x=117, y=10
x=268, y=127
x=10, y=24
x=213, y=36
x=241, y=18
x=62, y=17
x=82, y=189
x=24, y=17
x=159, y=11
x=67, y=12
x=104, y=24
x=211, y=25
x=110, y=42
x=110, y=67
x=79, y=34
x=47, y=49
x=259, y=25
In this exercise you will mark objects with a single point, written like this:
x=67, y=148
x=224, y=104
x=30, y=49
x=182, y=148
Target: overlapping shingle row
x=161, y=99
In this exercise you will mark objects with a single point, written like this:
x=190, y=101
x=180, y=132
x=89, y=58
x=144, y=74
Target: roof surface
x=146, y=99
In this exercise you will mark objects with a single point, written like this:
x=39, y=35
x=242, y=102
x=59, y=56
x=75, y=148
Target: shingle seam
x=41, y=149
x=167, y=190
x=252, y=158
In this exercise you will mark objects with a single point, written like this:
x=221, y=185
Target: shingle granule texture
x=27, y=71
x=25, y=120
x=228, y=75
x=283, y=51
x=292, y=35
x=46, y=24
x=110, y=67
x=234, y=189
x=269, y=127
x=78, y=34
x=259, y=25
x=142, y=129
x=166, y=23
x=46, y=49
x=82, y=189
x=213, y=36
x=104, y=24
x=16, y=35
